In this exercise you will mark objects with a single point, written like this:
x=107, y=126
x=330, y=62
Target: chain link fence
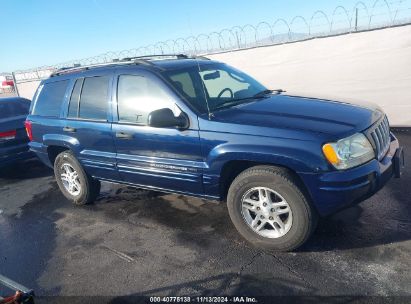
x=362, y=17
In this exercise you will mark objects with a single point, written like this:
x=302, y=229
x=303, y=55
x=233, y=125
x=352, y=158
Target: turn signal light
x=330, y=154
x=29, y=131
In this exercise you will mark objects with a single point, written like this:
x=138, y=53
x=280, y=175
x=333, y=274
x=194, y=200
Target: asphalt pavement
x=133, y=242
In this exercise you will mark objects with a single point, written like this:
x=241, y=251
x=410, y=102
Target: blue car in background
x=13, y=136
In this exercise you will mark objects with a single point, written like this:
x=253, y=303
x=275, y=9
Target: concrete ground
x=130, y=243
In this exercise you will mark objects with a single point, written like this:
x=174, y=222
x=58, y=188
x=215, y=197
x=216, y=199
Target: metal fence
x=362, y=17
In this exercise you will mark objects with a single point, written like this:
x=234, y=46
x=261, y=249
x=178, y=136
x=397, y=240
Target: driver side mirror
x=164, y=118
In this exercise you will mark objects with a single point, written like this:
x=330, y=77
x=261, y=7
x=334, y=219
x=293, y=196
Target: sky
x=46, y=32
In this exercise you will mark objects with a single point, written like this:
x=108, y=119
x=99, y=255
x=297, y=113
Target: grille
x=380, y=135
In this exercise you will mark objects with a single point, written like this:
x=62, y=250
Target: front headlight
x=349, y=152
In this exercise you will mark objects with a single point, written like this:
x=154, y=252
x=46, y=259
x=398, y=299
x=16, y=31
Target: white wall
x=27, y=89
x=370, y=66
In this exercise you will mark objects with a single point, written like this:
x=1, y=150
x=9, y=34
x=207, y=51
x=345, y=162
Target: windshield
x=218, y=84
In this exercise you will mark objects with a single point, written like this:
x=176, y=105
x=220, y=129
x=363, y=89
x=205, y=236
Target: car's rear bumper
x=41, y=152
x=9, y=159
x=332, y=191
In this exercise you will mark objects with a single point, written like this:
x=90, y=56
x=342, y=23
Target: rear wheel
x=73, y=181
x=269, y=209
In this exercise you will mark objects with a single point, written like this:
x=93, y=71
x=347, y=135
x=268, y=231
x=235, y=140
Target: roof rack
x=166, y=56
x=160, y=56
x=78, y=67
x=143, y=60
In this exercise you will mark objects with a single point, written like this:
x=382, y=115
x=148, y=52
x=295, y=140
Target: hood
x=300, y=113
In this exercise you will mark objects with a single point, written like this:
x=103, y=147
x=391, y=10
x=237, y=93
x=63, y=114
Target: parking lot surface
x=133, y=242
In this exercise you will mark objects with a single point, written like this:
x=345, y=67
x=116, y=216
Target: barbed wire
x=378, y=14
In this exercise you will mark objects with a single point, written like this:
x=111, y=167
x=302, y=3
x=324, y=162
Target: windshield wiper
x=232, y=103
x=265, y=92
x=241, y=100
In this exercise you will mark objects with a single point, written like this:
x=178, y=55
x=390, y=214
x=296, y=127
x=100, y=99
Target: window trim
x=86, y=119
x=78, y=99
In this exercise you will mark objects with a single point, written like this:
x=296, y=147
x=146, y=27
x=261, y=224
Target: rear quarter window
x=50, y=99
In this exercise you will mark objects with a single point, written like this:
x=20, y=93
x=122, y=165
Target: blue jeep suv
x=202, y=128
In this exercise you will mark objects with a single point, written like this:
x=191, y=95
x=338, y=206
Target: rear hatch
x=13, y=136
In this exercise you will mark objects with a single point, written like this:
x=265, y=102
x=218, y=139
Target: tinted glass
x=184, y=83
x=74, y=99
x=50, y=99
x=94, y=96
x=137, y=96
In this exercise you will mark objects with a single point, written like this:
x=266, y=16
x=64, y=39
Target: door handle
x=69, y=129
x=123, y=135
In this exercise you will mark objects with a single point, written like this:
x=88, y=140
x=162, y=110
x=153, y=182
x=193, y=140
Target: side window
x=137, y=96
x=94, y=98
x=50, y=99
x=75, y=98
x=184, y=84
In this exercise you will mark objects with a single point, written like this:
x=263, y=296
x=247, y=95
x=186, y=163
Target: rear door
x=13, y=137
x=88, y=122
x=163, y=158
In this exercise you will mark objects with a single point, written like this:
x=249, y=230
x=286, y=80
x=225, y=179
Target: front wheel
x=73, y=181
x=269, y=209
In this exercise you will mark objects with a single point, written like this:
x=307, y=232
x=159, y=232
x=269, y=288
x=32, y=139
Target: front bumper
x=332, y=191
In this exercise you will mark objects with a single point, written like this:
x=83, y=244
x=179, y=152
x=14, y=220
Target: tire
x=85, y=190
x=276, y=188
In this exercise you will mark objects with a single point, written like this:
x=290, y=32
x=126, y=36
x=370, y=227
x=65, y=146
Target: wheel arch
x=226, y=161
x=58, y=143
x=232, y=168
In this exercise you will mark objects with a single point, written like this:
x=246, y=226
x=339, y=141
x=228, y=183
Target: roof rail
x=78, y=67
x=143, y=60
x=166, y=56
x=154, y=56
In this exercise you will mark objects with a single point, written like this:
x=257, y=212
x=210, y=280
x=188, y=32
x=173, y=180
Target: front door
x=162, y=158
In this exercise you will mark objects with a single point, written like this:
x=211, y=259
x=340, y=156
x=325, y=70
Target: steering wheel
x=226, y=90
